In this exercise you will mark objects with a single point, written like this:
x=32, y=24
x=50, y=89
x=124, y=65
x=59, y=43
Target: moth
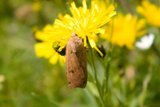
x=76, y=62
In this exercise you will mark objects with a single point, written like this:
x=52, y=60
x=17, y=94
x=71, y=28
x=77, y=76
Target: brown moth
x=76, y=62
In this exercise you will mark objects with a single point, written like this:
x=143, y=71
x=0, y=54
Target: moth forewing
x=76, y=62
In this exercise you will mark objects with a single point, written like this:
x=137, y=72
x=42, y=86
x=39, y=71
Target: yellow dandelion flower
x=88, y=22
x=84, y=21
x=151, y=12
x=124, y=30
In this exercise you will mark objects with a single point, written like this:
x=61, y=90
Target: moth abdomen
x=76, y=62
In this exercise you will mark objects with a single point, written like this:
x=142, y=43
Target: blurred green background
x=25, y=80
x=28, y=81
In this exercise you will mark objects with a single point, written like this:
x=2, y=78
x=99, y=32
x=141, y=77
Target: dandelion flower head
x=124, y=29
x=84, y=21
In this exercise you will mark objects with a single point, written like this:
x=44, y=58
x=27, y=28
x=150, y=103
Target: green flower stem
x=107, y=66
x=107, y=72
x=95, y=75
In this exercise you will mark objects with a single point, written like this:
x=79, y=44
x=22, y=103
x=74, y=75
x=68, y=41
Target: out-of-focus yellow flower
x=85, y=22
x=151, y=12
x=123, y=30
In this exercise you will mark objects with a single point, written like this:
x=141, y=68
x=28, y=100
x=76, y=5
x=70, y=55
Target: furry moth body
x=76, y=62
